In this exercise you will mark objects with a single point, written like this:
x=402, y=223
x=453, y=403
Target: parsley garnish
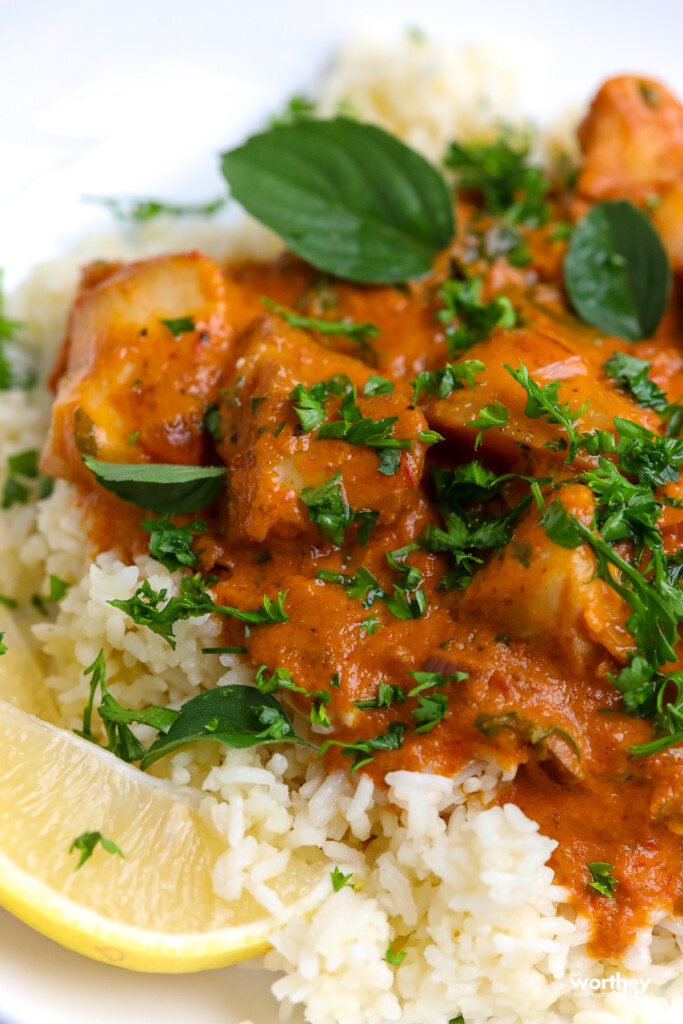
x=378, y=386
x=361, y=750
x=339, y=880
x=86, y=844
x=452, y=377
x=387, y=693
x=129, y=208
x=500, y=171
x=356, y=332
x=475, y=319
x=170, y=544
x=543, y=402
x=58, y=589
x=370, y=625
x=181, y=325
x=150, y=607
x=604, y=882
x=395, y=959
x=211, y=422
x=493, y=414
x=328, y=509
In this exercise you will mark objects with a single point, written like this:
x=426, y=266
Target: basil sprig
x=347, y=197
x=617, y=272
x=162, y=488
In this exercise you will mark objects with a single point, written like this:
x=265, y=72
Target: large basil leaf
x=239, y=716
x=347, y=197
x=617, y=272
x=162, y=488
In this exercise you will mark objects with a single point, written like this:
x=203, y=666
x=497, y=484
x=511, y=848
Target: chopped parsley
x=58, y=589
x=86, y=843
x=170, y=544
x=347, y=328
x=339, y=879
x=362, y=750
x=387, y=694
x=370, y=625
x=500, y=171
x=544, y=402
x=602, y=880
x=152, y=608
x=493, y=414
x=181, y=325
x=468, y=320
x=130, y=208
x=378, y=386
x=211, y=422
x=395, y=959
x=452, y=377
x=328, y=509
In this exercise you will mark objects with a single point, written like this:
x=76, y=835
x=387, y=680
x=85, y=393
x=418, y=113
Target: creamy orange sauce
x=535, y=633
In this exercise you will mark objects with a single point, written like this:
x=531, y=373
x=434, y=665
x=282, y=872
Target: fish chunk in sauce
x=176, y=360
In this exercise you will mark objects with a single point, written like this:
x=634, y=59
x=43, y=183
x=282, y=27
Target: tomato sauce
x=530, y=645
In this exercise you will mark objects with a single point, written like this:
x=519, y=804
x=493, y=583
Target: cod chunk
x=271, y=457
x=131, y=387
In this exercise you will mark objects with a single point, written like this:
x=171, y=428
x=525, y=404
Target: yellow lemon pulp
x=153, y=910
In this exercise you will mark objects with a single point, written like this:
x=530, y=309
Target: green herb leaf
x=86, y=844
x=328, y=509
x=501, y=172
x=493, y=414
x=387, y=693
x=395, y=959
x=452, y=377
x=128, y=208
x=617, y=271
x=170, y=544
x=375, y=385
x=362, y=750
x=544, y=402
x=182, y=325
x=634, y=376
x=211, y=422
x=239, y=716
x=347, y=328
x=150, y=607
x=367, y=520
x=347, y=197
x=429, y=680
x=339, y=880
x=162, y=488
x=468, y=320
x=603, y=881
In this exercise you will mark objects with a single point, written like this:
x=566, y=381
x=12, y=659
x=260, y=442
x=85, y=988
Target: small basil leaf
x=617, y=272
x=162, y=488
x=238, y=716
x=347, y=197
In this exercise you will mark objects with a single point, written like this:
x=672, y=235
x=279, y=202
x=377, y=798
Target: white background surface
x=136, y=97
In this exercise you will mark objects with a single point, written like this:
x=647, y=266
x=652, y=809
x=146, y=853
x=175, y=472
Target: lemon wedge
x=155, y=908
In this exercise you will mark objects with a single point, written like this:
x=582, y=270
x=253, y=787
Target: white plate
x=136, y=97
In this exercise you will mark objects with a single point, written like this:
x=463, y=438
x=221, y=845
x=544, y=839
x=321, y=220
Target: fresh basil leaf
x=347, y=197
x=238, y=716
x=160, y=487
x=617, y=272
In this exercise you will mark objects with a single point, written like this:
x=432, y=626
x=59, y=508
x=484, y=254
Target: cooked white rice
x=460, y=885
